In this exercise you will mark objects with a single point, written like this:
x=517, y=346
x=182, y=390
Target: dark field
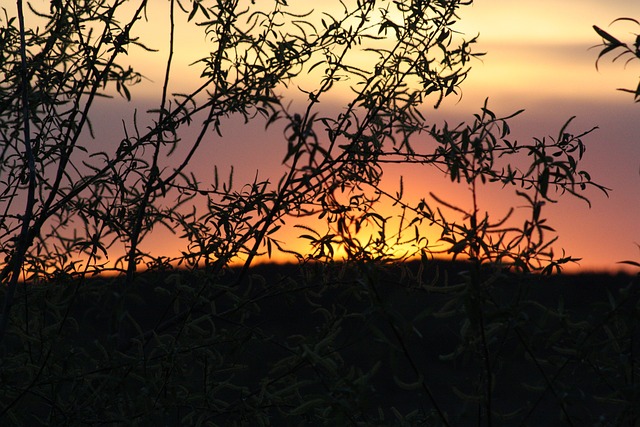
x=326, y=345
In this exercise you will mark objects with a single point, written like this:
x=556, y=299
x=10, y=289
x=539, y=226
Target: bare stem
x=22, y=243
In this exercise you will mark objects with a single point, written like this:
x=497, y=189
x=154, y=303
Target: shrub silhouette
x=192, y=340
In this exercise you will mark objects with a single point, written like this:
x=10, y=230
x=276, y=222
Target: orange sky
x=538, y=59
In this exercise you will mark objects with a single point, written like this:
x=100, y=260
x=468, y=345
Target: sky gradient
x=538, y=59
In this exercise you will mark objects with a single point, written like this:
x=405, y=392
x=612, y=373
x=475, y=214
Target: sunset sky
x=538, y=58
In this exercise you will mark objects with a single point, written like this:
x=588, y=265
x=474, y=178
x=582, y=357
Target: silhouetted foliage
x=193, y=341
x=624, y=51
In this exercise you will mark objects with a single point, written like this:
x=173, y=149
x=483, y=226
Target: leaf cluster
x=627, y=51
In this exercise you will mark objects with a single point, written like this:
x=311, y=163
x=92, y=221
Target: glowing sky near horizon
x=538, y=58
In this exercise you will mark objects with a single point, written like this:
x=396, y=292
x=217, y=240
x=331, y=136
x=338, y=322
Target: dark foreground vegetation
x=422, y=343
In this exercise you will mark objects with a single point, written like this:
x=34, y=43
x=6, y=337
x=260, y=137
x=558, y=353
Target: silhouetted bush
x=368, y=340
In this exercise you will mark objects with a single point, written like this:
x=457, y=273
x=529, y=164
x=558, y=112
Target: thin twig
x=22, y=243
